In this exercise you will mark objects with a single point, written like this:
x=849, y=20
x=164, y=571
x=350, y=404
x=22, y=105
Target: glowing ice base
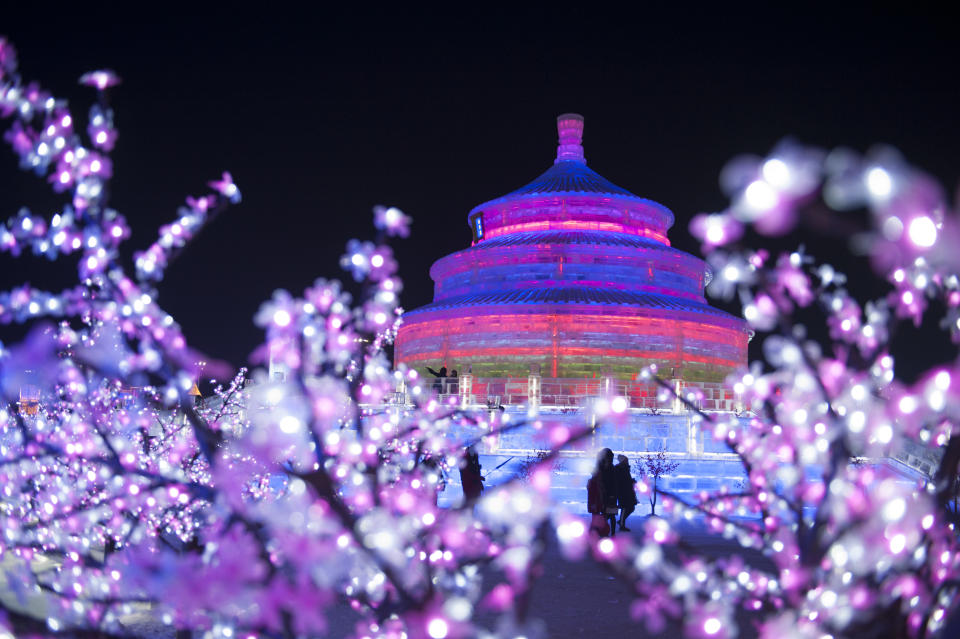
x=705, y=464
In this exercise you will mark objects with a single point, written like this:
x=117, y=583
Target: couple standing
x=609, y=491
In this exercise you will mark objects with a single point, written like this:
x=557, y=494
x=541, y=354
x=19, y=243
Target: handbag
x=598, y=524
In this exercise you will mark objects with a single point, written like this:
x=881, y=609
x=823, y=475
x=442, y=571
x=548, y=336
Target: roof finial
x=570, y=128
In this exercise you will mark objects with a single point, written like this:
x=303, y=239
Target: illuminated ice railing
x=574, y=393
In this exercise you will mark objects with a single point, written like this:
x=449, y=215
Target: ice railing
x=578, y=392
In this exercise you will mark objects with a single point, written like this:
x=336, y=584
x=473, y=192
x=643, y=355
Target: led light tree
x=858, y=550
x=262, y=508
x=652, y=468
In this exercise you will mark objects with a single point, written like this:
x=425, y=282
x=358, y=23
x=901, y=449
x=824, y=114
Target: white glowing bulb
x=922, y=231
x=895, y=509
x=712, y=626
x=942, y=380
x=898, y=543
x=857, y=421
x=879, y=182
x=282, y=318
x=885, y=434
x=714, y=233
x=289, y=424
x=570, y=530
x=776, y=172
x=437, y=628
x=376, y=261
x=760, y=196
x=908, y=404
x=839, y=555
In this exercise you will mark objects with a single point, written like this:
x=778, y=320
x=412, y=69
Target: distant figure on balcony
x=440, y=375
x=453, y=384
x=470, y=477
x=626, y=495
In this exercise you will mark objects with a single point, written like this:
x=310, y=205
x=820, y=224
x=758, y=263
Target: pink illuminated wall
x=575, y=274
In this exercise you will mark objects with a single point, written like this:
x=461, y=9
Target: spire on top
x=570, y=128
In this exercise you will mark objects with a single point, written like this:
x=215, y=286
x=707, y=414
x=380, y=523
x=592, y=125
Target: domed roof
x=570, y=174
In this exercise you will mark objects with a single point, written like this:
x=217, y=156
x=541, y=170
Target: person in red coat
x=601, y=494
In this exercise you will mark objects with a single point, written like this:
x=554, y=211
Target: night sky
x=322, y=115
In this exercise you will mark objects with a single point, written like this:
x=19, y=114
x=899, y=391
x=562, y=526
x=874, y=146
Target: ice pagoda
x=573, y=278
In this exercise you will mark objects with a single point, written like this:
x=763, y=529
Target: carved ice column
x=533, y=388
x=466, y=389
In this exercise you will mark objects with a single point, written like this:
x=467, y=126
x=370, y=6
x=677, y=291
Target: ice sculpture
x=574, y=277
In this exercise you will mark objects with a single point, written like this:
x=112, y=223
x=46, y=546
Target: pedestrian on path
x=470, y=477
x=626, y=493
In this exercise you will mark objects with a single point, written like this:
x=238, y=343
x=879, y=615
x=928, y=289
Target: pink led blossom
x=715, y=229
x=226, y=188
x=392, y=220
x=100, y=79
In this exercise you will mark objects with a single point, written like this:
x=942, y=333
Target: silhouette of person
x=440, y=375
x=626, y=495
x=608, y=487
x=601, y=491
x=470, y=477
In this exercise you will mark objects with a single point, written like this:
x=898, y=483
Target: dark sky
x=322, y=115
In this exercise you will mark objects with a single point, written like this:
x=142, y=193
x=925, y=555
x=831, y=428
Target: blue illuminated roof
x=570, y=178
x=574, y=295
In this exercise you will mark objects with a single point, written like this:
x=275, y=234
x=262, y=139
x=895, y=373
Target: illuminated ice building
x=573, y=278
x=569, y=289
